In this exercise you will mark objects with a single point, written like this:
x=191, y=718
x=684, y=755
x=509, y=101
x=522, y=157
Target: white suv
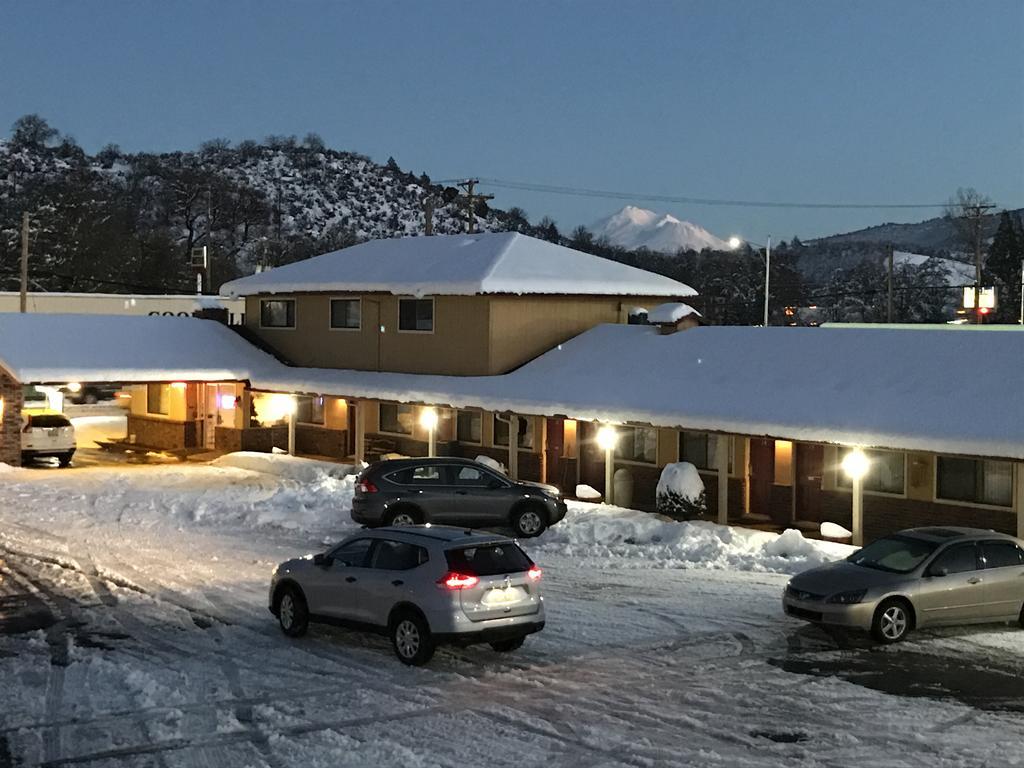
x=46, y=435
x=421, y=585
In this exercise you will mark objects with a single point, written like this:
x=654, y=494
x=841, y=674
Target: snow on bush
x=645, y=540
x=680, y=492
x=587, y=492
x=494, y=464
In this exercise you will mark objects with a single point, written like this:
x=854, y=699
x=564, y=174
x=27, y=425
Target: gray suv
x=420, y=585
x=452, y=491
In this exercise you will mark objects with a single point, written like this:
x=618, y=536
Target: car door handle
x=974, y=580
x=460, y=493
x=398, y=582
x=350, y=579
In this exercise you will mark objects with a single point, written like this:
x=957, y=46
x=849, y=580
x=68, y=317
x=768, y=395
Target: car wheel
x=892, y=621
x=403, y=516
x=411, y=639
x=90, y=398
x=529, y=521
x=65, y=459
x=292, y=612
x=505, y=646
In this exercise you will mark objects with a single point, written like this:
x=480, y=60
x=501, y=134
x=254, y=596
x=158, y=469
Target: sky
x=867, y=102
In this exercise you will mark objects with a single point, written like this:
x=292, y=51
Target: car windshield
x=896, y=554
x=48, y=421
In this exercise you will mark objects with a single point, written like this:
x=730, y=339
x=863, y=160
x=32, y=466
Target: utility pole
x=767, y=276
x=974, y=213
x=428, y=215
x=470, y=199
x=24, y=262
x=891, y=264
x=1022, y=291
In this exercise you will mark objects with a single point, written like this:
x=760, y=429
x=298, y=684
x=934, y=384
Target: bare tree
x=966, y=210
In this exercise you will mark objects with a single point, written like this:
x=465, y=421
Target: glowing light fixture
x=428, y=419
x=607, y=437
x=856, y=464
x=735, y=242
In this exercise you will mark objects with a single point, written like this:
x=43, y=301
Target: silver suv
x=421, y=585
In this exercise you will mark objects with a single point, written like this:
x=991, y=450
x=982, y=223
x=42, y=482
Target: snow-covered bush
x=494, y=464
x=680, y=493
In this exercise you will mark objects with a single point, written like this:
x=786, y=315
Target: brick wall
x=162, y=433
x=10, y=425
x=885, y=514
x=258, y=439
x=321, y=441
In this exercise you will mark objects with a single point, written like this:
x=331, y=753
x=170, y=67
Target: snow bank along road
x=134, y=631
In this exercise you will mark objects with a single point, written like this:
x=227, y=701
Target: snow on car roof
x=502, y=262
x=124, y=348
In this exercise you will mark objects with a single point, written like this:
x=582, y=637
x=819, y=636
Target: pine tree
x=1004, y=263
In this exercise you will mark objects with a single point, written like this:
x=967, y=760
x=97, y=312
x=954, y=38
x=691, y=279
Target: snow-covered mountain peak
x=634, y=227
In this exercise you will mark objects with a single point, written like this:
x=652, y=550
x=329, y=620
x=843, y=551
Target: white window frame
x=330, y=312
x=977, y=504
x=380, y=426
x=639, y=462
x=433, y=313
x=295, y=314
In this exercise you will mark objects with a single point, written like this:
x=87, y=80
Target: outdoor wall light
x=856, y=464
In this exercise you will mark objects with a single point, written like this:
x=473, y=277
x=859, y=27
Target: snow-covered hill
x=634, y=227
x=956, y=272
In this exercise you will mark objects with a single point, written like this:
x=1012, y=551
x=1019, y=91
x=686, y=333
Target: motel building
x=506, y=346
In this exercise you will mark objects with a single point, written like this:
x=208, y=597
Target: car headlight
x=848, y=598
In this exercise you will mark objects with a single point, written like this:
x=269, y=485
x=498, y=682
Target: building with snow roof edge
x=776, y=407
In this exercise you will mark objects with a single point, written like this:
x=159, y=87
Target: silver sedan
x=916, y=578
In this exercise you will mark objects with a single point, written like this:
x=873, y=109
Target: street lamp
x=606, y=439
x=856, y=464
x=428, y=420
x=735, y=242
x=290, y=405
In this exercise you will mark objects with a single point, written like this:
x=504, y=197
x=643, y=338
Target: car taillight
x=365, y=486
x=534, y=573
x=453, y=580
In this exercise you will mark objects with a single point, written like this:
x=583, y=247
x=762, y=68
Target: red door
x=762, y=475
x=809, y=462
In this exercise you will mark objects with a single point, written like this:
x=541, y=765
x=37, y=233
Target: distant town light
x=856, y=464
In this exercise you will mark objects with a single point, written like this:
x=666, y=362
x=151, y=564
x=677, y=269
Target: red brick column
x=10, y=423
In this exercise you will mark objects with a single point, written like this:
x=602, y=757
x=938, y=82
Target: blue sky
x=804, y=101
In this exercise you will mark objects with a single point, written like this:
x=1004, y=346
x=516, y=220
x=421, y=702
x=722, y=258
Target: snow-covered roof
x=671, y=312
x=124, y=348
x=502, y=262
x=938, y=391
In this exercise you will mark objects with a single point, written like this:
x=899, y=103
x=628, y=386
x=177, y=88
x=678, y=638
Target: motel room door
x=810, y=460
x=216, y=408
x=553, y=449
x=762, y=476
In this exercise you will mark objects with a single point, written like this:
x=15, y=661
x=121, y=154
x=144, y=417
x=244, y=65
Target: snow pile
x=645, y=540
x=5, y=468
x=673, y=312
x=285, y=466
x=584, y=491
x=494, y=464
x=681, y=478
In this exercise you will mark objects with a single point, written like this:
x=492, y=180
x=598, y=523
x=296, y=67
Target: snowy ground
x=134, y=631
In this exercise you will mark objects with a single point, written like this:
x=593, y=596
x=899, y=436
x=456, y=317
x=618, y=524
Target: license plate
x=54, y=433
x=502, y=596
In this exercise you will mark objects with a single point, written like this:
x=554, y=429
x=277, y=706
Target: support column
x=10, y=419
x=858, y=511
x=360, y=433
x=291, y=432
x=746, y=476
x=722, y=463
x=513, y=446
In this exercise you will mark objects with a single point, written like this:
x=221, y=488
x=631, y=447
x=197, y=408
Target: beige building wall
x=472, y=336
x=179, y=406
x=523, y=327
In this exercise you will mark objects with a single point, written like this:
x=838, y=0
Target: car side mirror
x=323, y=560
x=939, y=572
x=495, y=485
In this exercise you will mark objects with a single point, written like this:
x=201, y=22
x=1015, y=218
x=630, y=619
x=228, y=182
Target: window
x=428, y=474
x=699, y=448
x=886, y=473
x=309, y=409
x=353, y=553
x=525, y=432
x=472, y=476
x=397, y=556
x=975, y=481
x=397, y=419
x=896, y=554
x=416, y=314
x=467, y=427
x=488, y=560
x=637, y=444
x=277, y=313
x=48, y=421
x=156, y=399
x=959, y=558
x=1001, y=554
x=346, y=313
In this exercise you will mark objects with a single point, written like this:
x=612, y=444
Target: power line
x=687, y=200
